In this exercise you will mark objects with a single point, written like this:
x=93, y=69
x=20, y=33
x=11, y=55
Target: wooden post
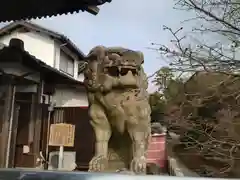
x=10, y=129
x=60, y=157
x=6, y=119
x=38, y=123
x=14, y=137
x=33, y=109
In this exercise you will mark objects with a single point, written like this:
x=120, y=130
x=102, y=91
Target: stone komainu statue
x=119, y=108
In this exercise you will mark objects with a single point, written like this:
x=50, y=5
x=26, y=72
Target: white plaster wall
x=75, y=69
x=36, y=44
x=70, y=97
x=57, y=55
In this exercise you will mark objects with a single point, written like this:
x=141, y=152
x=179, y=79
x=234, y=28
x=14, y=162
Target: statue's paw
x=98, y=164
x=139, y=165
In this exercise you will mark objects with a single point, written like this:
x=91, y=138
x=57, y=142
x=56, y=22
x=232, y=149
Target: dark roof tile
x=28, y=9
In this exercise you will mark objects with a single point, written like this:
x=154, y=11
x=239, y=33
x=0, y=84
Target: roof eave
x=55, y=35
x=26, y=10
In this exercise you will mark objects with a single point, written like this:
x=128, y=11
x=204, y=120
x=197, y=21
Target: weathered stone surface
x=119, y=108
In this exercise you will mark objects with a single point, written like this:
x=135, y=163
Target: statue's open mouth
x=121, y=70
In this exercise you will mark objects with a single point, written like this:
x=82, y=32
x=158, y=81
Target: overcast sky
x=133, y=24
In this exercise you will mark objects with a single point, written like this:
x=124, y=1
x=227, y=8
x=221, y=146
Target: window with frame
x=66, y=63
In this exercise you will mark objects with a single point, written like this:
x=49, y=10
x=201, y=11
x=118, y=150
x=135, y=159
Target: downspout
x=50, y=110
x=10, y=127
